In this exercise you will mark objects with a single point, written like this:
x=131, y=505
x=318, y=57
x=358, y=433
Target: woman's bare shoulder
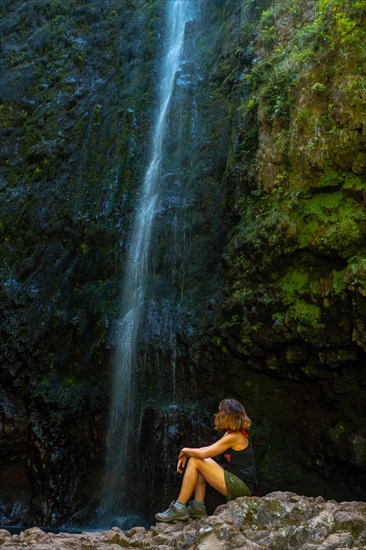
x=239, y=442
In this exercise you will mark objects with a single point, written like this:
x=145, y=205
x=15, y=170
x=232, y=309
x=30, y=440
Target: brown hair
x=231, y=416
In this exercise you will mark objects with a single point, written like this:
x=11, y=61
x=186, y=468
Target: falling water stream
x=123, y=424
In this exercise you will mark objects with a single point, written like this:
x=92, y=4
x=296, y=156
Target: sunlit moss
x=330, y=221
x=294, y=283
x=308, y=315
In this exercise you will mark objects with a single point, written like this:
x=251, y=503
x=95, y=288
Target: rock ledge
x=278, y=521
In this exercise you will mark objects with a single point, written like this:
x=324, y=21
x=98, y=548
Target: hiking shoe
x=173, y=513
x=196, y=511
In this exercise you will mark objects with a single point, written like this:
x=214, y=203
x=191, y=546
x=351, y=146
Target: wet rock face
x=78, y=99
x=69, y=135
x=279, y=520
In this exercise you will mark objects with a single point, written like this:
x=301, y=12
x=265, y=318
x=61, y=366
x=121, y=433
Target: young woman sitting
x=237, y=477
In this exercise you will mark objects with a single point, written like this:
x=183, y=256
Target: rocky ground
x=276, y=521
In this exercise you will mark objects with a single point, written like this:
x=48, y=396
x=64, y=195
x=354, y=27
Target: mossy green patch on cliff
x=339, y=282
x=308, y=315
x=294, y=283
x=332, y=223
x=298, y=282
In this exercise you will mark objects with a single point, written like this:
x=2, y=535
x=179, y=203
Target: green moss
x=300, y=284
x=330, y=178
x=307, y=315
x=330, y=222
x=338, y=282
x=318, y=87
x=303, y=115
x=333, y=178
x=351, y=181
x=293, y=284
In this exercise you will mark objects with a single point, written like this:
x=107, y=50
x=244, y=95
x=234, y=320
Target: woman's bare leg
x=212, y=473
x=200, y=490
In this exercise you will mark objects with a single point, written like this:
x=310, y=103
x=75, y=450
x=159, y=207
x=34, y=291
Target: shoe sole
x=171, y=520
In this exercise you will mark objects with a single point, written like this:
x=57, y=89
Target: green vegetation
x=300, y=61
x=331, y=222
x=308, y=315
x=294, y=283
x=302, y=226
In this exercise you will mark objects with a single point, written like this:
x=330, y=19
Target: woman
x=236, y=478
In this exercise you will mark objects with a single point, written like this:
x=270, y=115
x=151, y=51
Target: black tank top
x=242, y=464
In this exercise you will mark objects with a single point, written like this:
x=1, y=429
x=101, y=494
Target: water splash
x=123, y=425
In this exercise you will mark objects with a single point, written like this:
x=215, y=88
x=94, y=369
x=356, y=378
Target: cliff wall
x=272, y=280
x=294, y=310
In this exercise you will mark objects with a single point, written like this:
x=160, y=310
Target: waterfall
x=124, y=415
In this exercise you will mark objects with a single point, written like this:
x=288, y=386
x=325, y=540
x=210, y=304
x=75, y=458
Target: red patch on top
x=228, y=457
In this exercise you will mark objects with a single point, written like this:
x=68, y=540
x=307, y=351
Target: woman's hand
x=182, y=453
x=182, y=459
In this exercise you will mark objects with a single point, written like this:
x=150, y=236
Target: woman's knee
x=194, y=462
x=199, y=463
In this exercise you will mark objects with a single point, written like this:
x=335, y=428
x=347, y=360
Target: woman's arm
x=217, y=448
